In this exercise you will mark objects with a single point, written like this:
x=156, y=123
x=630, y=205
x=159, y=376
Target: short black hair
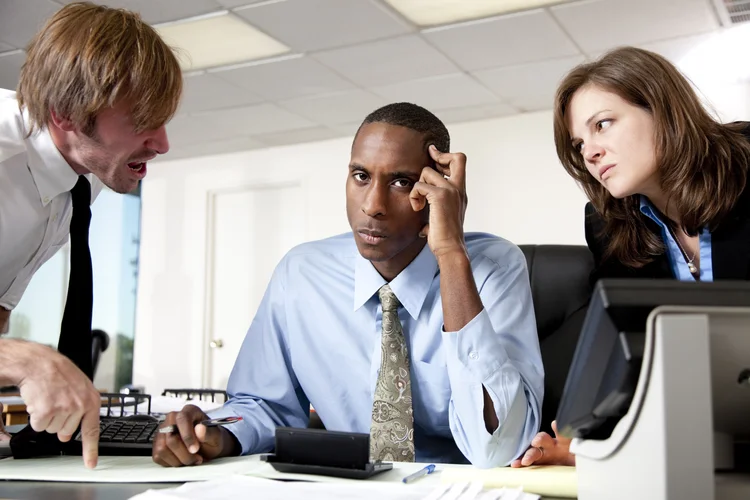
x=414, y=117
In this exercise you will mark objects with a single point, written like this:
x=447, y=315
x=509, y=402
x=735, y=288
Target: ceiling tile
x=677, y=48
x=298, y=136
x=21, y=19
x=599, y=25
x=387, y=61
x=211, y=126
x=213, y=148
x=237, y=3
x=154, y=12
x=674, y=49
x=252, y=120
x=502, y=41
x=205, y=92
x=440, y=92
x=308, y=25
x=5, y=47
x=465, y=114
x=10, y=68
x=187, y=130
x=285, y=78
x=529, y=87
x=348, y=129
x=333, y=109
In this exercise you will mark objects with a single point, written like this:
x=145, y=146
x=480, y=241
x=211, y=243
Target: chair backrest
x=559, y=277
x=99, y=344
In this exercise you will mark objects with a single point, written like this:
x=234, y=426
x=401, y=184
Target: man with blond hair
x=94, y=95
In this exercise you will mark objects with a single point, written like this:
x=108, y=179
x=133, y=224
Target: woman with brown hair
x=665, y=180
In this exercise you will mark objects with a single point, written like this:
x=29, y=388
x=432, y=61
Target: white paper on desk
x=243, y=487
x=11, y=400
x=122, y=470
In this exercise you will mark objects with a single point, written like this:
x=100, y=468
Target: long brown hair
x=88, y=57
x=702, y=164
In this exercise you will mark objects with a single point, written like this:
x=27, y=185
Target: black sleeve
x=597, y=243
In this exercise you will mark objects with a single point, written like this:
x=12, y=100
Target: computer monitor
x=607, y=362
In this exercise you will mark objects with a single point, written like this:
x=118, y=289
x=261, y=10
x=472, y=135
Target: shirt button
x=46, y=200
x=54, y=218
x=474, y=355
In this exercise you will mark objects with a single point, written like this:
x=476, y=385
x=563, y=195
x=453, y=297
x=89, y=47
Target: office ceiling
x=347, y=57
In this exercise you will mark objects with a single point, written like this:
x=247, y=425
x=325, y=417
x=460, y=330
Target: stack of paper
x=239, y=486
x=112, y=469
x=267, y=489
x=554, y=481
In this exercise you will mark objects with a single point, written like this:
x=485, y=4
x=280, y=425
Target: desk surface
x=40, y=490
x=33, y=490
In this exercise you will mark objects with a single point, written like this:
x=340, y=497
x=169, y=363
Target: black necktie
x=75, y=331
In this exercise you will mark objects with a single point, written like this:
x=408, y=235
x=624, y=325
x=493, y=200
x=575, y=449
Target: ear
x=63, y=123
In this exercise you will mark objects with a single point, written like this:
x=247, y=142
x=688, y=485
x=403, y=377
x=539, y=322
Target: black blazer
x=730, y=246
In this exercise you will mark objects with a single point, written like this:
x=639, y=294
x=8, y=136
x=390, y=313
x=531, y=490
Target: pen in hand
x=214, y=422
x=421, y=472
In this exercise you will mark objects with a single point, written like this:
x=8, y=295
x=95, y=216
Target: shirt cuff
x=477, y=347
x=241, y=429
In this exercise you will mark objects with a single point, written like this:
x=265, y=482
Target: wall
x=517, y=189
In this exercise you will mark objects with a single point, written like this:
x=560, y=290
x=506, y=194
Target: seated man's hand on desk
x=57, y=394
x=191, y=443
x=546, y=450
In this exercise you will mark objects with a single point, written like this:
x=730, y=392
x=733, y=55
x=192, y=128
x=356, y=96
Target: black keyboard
x=126, y=435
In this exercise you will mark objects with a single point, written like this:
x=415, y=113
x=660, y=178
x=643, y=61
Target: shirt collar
x=411, y=286
x=648, y=209
x=52, y=174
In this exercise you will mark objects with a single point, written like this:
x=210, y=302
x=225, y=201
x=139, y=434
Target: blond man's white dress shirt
x=35, y=202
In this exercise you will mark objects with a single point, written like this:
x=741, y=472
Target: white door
x=250, y=231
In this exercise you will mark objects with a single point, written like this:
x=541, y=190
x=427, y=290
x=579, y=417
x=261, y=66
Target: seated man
x=405, y=328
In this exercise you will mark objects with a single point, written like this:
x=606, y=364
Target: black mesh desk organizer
x=122, y=431
x=202, y=394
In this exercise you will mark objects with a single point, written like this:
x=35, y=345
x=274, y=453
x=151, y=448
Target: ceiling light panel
x=218, y=40
x=436, y=12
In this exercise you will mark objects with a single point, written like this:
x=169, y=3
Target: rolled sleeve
x=244, y=433
x=475, y=350
x=498, y=350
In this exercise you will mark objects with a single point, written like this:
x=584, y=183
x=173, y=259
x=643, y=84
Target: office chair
x=99, y=344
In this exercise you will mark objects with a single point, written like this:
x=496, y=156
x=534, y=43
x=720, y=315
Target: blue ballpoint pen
x=421, y=472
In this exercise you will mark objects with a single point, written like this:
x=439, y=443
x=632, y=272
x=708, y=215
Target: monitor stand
x=676, y=440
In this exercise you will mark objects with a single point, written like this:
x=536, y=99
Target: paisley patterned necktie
x=392, y=429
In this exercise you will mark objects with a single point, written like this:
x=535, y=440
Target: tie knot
x=81, y=192
x=388, y=299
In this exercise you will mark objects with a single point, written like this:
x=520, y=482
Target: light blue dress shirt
x=316, y=340
x=676, y=259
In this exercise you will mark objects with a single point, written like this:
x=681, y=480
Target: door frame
x=209, y=274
